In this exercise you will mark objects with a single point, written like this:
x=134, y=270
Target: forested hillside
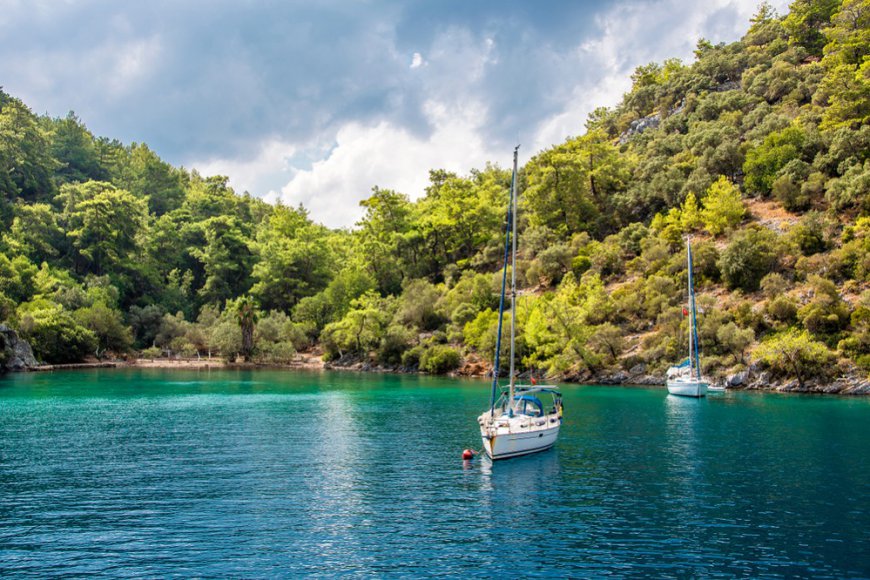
x=759, y=149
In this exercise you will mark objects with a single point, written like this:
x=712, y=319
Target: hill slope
x=758, y=150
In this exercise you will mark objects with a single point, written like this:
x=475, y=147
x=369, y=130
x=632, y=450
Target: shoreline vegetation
x=758, y=149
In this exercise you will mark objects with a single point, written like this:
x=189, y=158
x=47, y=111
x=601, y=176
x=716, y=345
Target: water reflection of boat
x=523, y=477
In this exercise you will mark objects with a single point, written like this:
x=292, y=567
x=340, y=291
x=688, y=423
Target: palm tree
x=246, y=310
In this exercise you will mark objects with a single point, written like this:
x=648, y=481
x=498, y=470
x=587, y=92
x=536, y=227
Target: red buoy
x=467, y=454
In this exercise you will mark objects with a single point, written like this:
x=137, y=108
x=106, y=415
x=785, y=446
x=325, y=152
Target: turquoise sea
x=261, y=474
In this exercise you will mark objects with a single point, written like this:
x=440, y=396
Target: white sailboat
x=685, y=379
x=517, y=421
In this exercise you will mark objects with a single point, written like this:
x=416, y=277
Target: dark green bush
x=748, y=258
x=439, y=359
x=56, y=337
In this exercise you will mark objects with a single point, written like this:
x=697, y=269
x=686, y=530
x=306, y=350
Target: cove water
x=128, y=473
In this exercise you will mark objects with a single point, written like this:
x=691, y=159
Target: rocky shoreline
x=16, y=356
x=749, y=380
x=848, y=384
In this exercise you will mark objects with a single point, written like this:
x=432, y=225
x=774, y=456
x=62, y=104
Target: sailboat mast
x=496, y=367
x=513, y=276
x=693, y=327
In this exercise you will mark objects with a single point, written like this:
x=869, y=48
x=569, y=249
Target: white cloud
x=417, y=60
x=257, y=175
x=388, y=156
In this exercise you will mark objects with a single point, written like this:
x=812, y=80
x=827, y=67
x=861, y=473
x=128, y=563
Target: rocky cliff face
x=15, y=354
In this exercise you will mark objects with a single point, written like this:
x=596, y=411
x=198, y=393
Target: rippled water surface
x=263, y=474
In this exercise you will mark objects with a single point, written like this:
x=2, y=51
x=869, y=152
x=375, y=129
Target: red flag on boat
x=685, y=312
x=534, y=382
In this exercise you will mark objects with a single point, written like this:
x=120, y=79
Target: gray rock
x=727, y=86
x=637, y=369
x=638, y=126
x=15, y=354
x=737, y=379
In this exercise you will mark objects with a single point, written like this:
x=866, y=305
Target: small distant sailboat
x=517, y=422
x=685, y=378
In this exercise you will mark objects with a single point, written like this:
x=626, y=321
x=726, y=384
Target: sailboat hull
x=687, y=388
x=504, y=443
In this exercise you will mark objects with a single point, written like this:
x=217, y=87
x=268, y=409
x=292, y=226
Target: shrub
x=809, y=235
x=826, y=313
x=439, y=359
x=56, y=337
x=226, y=336
x=782, y=309
x=764, y=161
x=580, y=264
x=748, y=258
x=276, y=352
x=795, y=353
x=151, y=352
x=107, y=326
x=416, y=305
x=773, y=285
x=411, y=357
x=396, y=340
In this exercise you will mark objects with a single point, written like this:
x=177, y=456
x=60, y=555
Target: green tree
x=26, y=164
x=17, y=278
x=456, y=218
x=764, y=161
x=226, y=259
x=417, y=306
x=35, y=233
x=246, y=313
x=55, y=335
x=806, y=20
x=107, y=326
x=145, y=323
x=723, y=207
x=149, y=176
x=295, y=259
x=72, y=145
x=749, y=256
x=690, y=214
x=102, y=223
x=388, y=251
x=360, y=331
x=607, y=341
x=845, y=88
x=795, y=353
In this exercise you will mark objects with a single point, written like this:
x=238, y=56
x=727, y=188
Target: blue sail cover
x=686, y=363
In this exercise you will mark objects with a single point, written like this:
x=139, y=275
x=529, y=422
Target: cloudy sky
x=316, y=102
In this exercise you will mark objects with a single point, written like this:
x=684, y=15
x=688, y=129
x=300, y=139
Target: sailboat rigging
x=516, y=422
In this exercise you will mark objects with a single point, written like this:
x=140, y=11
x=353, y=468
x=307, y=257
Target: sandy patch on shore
x=300, y=361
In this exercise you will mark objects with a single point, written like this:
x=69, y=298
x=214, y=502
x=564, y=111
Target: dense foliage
x=759, y=149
